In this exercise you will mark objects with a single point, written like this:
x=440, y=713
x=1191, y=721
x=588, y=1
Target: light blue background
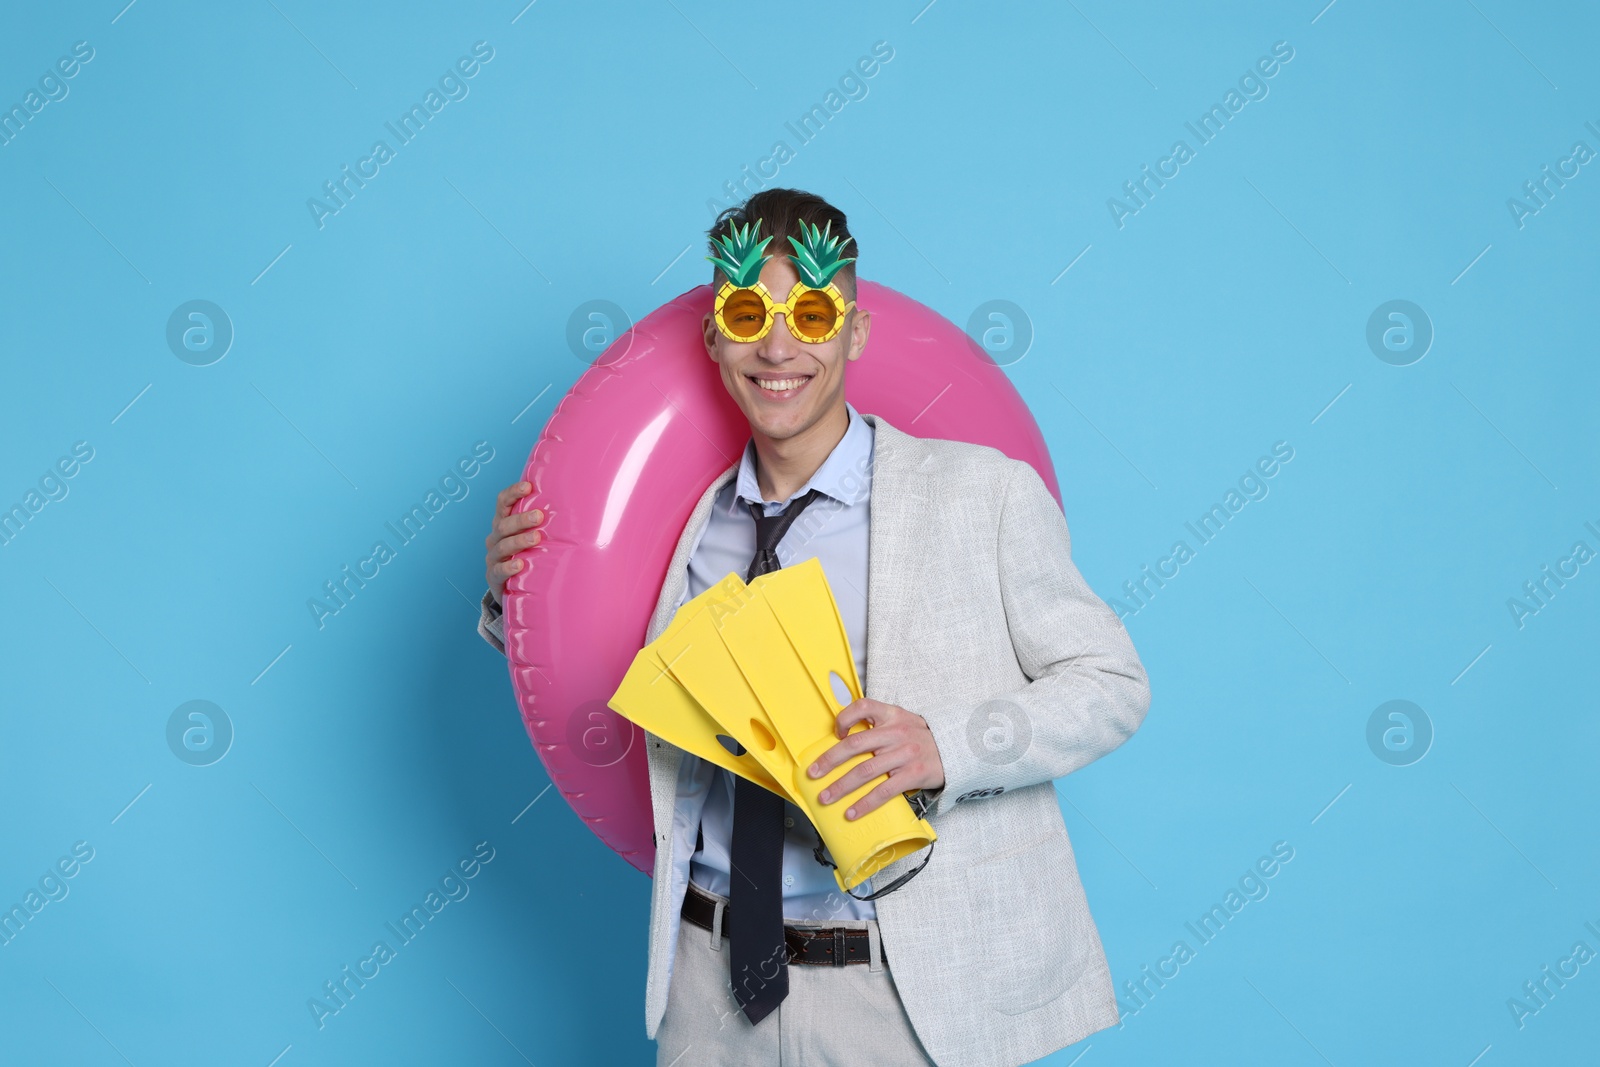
x=427, y=315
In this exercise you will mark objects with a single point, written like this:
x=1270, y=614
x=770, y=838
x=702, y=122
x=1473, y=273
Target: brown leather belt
x=827, y=946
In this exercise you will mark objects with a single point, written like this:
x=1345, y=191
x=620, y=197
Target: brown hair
x=781, y=211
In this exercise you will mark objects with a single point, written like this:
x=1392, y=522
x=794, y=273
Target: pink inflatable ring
x=618, y=469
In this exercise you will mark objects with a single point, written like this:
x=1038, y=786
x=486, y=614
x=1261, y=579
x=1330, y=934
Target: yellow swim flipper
x=652, y=697
x=787, y=638
x=702, y=664
x=753, y=664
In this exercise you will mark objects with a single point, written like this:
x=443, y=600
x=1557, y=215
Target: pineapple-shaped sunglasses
x=745, y=309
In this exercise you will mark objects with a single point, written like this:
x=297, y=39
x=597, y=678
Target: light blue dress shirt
x=833, y=528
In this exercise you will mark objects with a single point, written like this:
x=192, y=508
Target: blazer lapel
x=677, y=578
x=664, y=761
x=891, y=536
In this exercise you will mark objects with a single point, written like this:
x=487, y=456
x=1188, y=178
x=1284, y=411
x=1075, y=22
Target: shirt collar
x=846, y=475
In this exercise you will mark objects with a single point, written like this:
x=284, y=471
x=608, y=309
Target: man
x=989, y=667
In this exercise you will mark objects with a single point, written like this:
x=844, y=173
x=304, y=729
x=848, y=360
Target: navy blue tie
x=759, y=967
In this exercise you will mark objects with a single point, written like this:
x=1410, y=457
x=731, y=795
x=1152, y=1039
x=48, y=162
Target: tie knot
x=771, y=528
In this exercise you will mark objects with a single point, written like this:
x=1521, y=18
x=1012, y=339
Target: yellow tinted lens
x=744, y=313
x=814, y=314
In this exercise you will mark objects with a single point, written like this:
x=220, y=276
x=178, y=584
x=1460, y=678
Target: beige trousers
x=832, y=1017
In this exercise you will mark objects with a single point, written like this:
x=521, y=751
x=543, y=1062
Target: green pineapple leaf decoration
x=741, y=259
x=818, y=255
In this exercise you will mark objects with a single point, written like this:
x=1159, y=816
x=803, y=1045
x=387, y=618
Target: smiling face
x=811, y=375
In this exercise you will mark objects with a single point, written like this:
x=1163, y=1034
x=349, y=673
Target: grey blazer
x=978, y=621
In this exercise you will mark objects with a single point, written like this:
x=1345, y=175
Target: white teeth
x=781, y=386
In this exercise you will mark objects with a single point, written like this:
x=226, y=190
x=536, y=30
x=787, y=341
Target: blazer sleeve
x=1087, y=692
x=491, y=627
